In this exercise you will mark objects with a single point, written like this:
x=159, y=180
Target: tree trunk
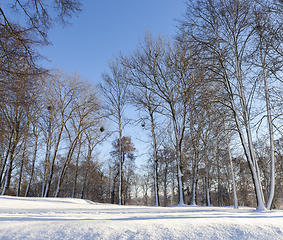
x=194, y=183
x=165, y=185
x=207, y=192
x=65, y=166
x=8, y=175
x=207, y=183
x=47, y=159
x=172, y=190
x=83, y=185
x=113, y=188
x=155, y=157
x=203, y=191
x=22, y=163
x=231, y=166
x=271, y=140
x=248, y=147
x=20, y=178
x=219, y=187
x=10, y=162
x=33, y=165
x=101, y=187
x=250, y=153
x=6, y=158
x=51, y=171
x=84, y=182
x=77, y=167
x=120, y=162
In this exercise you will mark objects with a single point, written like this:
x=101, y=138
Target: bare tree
x=115, y=92
x=268, y=59
x=225, y=31
x=60, y=94
x=84, y=114
x=231, y=166
x=165, y=70
x=146, y=102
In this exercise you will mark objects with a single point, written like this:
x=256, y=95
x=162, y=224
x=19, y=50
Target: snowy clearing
x=61, y=218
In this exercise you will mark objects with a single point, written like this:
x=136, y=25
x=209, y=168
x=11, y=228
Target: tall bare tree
x=115, y=92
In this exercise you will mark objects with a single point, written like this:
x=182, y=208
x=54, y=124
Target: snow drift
x=60, y=218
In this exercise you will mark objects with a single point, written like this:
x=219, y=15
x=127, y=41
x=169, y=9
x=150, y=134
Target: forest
x=209, y=100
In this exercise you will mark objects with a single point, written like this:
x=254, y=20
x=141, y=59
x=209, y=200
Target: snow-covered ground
x=58, y=218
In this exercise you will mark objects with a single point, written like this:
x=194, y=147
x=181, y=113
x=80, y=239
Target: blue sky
x=104, y=29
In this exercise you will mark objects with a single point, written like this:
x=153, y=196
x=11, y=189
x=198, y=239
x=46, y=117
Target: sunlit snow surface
x=60, y=218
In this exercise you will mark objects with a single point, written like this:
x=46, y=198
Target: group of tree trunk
x=209, y=101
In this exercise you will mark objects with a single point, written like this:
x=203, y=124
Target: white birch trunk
x=232, y=170
x=179, y=138
x=253, y=166
x=207, y=184
x=121, y=159
x=172, y=191
x=155, y=184
x=251, y=152
x=207, y=194
x=6, y=178
x=271, y=139
x=193, y=199
x=248, y=148
x=181, y=195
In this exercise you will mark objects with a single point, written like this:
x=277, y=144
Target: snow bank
x=58, y=218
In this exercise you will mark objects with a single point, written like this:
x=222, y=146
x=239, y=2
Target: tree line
x=209, y=100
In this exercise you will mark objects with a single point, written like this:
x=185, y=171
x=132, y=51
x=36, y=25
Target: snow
x=66, y=218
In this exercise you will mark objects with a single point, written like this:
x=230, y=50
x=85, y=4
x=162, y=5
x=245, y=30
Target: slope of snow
x=58, y=218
